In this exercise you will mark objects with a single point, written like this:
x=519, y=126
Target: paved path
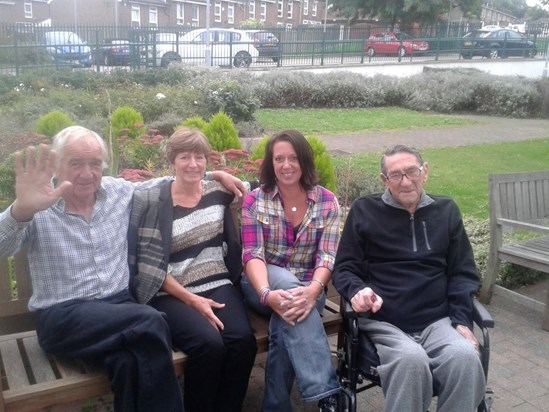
x=484, y=129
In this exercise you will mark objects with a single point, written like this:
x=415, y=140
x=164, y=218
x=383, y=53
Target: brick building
x=153, y=13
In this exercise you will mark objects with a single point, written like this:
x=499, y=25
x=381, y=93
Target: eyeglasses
x=411, y=173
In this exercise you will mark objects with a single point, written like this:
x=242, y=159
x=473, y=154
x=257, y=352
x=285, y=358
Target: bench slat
x=38, y=360
x=13, y=364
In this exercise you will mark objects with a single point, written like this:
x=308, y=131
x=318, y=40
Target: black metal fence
x=28, y=47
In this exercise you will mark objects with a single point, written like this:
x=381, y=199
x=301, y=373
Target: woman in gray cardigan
x=185, y=260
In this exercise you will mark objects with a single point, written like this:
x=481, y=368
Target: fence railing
x=35, y=48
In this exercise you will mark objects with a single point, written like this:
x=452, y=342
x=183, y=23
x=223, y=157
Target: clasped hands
x=293, y=305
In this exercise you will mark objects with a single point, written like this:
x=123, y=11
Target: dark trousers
x=132, y=341
x=220, y=362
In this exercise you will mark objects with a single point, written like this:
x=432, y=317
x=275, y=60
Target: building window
x=251, y=10
x=315, y=7
x=305, y=7
x=230, y=13
x=196, y=15
x=217, y=11
x=290, y=8
x=288, y=26
x=28, y=9
x=280, y=8
x=263, y=11
x=136, y=16
x=180, y=14
x=153, y=16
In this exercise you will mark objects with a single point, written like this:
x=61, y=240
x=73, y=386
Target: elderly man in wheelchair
x=406, y=267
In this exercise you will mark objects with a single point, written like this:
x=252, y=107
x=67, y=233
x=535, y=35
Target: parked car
x=493, y=42
x=400, y=44
x=266, y=44
x=67, y=48
x=229, y=47
x=113, y=52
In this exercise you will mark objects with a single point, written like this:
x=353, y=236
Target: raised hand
x=33, y=189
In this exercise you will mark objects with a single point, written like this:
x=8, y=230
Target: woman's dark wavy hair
x=305, y=156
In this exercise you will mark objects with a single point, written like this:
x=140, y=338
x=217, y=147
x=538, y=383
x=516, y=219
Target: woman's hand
x=205, y=307
x=294, y=305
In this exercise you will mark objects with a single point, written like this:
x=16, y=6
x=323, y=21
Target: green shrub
x=53, y=122
x=7, y=182
x=353, y=183
x=233, y=98
x=126, y=125
x=323, y=164
x=194, y=123
x=126, y=121
x=222, y=133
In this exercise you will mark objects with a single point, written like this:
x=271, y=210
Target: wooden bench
x=33, y=380
x=518, y=201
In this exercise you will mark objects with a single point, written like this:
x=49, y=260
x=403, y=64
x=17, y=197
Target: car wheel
x=371, y=52
x=169, y=58
x=275, y=59
x=242, y=59
x=531, y=53
x=493, y=53
x=467, y=55
x=401, y=52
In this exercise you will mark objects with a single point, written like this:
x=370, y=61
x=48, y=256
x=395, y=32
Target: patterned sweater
x=198, y=246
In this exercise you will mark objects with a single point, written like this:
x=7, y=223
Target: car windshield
x=62, y=37
x=478, y=33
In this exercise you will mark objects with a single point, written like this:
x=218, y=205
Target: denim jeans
x=299, y=352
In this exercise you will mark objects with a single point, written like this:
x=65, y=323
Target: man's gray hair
x=400, y=148
x=61, y=139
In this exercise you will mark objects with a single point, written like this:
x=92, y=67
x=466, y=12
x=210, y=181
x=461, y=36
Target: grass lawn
x=332, y=121
x=462, y=172
x=459, y=172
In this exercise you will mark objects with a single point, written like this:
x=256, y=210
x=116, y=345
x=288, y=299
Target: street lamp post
x=75, y=17
x=326, y=7
x=208, y=48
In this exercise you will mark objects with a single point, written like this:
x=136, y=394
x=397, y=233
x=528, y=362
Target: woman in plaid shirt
x=290, y=228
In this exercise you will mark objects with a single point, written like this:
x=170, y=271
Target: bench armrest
x=523, y=225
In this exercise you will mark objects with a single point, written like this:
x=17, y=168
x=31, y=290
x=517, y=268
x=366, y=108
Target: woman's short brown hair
x=187, y=140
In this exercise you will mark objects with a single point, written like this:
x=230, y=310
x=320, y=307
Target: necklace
x=294, y=209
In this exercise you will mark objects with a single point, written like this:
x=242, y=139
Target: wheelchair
x=357, y=368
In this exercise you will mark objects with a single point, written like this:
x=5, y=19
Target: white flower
x=160, y=96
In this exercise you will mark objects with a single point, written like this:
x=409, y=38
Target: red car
x=400, y=44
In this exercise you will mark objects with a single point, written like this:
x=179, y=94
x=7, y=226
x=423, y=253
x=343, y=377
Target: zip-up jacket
x=421, y=264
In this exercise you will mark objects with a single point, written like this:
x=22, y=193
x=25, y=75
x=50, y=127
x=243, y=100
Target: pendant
x=294, y=209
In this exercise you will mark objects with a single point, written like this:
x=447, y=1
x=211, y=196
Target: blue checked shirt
x=70, y=257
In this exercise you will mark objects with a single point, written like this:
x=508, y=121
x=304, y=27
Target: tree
x=403, y=11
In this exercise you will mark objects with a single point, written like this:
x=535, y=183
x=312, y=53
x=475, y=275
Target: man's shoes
x=328, y=404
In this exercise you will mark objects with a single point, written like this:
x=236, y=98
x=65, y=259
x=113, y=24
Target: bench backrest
x=15, y=285
x=519, y=196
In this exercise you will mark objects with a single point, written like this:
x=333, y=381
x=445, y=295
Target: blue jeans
x=299, y=352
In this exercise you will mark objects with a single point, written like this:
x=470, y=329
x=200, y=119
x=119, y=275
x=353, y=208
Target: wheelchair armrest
x=481, y=316
x=348, y=311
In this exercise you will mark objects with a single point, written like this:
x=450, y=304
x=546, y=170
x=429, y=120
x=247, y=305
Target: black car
x=494, y=42
x=113, y=52
x=266, y=44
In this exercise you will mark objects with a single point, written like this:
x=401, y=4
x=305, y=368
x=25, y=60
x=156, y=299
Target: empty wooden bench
x=518, y=202
x=33, y=380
